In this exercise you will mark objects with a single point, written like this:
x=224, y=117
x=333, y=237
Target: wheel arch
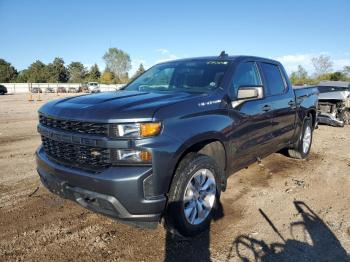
x=213, y=147
x=313, y=114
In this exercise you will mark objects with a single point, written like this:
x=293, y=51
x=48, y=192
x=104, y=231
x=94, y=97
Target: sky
x=152, y=31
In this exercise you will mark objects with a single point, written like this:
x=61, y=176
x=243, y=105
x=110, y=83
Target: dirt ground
x=279, y=210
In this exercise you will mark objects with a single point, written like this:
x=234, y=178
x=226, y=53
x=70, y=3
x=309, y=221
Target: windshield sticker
x=217, y=62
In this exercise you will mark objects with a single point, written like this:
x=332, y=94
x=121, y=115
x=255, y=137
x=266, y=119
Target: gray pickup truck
x=163, y=147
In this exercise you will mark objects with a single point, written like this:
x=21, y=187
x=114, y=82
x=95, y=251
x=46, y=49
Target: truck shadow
x=318, y=243
x=190, y=249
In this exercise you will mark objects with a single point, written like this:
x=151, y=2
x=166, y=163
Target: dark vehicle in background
x=61, y=89
x=36, y=90
x=72, y=90
x=49, y=90
x=334, y=103
x=163, y=147
x=3, y=90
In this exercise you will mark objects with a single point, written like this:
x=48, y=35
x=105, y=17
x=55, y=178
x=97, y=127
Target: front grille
x=85, y=157
x=74, y=126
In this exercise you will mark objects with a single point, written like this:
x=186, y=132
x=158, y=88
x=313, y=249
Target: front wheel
x=193, y=196
x=302, y=149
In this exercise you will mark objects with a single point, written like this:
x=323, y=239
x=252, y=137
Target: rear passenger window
x=275, y=84
x=246, y=74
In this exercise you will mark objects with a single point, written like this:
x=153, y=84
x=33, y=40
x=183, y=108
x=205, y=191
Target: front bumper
x=329, y=119
x=116, y=192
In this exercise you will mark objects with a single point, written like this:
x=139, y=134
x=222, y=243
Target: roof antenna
x=223, y=55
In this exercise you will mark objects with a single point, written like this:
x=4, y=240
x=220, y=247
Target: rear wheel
x=193, y=196
x=302, y=150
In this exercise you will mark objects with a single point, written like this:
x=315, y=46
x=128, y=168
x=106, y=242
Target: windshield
x=188, y=76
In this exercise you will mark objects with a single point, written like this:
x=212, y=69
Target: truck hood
x=118, y=106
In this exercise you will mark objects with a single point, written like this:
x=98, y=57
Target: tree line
x=118, y=64
x=323, y=70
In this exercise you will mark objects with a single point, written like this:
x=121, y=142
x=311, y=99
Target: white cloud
x=291, y=62
x=166, y=55
x=163, y=51
x=167, y=58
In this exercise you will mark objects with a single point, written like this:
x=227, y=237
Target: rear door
x=282, y=100
x=251, y=130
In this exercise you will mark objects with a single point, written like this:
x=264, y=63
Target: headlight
x=128, y=130
x=132, y=156
x=136, y=130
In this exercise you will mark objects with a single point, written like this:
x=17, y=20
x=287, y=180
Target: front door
x=251, y=131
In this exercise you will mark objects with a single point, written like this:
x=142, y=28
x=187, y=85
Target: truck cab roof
x=226, y=58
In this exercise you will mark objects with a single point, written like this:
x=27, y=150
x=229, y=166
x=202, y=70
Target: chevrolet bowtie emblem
x=95, y=153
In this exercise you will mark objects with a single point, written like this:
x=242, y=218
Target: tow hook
x=85, y=201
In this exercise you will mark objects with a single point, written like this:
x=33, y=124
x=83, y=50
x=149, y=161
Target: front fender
x=184, y=125
x=199, y=139
x=185, y=134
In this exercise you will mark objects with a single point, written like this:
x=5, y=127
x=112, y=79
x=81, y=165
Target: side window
x=246, y=74
x=275, y=84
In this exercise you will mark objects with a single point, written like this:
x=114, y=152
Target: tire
x=301, y=152
x=345, y=116
x=183, y=195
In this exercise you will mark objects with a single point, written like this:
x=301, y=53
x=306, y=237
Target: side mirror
x=247, y=93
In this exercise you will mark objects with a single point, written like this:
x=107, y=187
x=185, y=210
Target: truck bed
x=301, y=91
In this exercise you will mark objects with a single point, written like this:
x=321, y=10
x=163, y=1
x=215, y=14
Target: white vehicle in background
x=90, y=87
x=334, y=103
x=94, y=87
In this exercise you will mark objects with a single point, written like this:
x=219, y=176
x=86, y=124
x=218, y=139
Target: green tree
x=94, y=74
x=139, y=72
x=322, y=64
x=22, y=76
x=36, y=72
x=323, y=77
x=77, y=72
x=124, y=78
x=346, y=71
x=338, y=76
x=57, y=72
x=118, y=62
x=300, y=77
x=7, y=72
x=107, y=77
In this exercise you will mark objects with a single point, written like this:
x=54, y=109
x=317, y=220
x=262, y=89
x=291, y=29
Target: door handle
x=266, y=108
x=291, y=103
x=300, y=100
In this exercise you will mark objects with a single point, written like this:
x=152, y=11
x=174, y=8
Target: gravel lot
x=281, y=209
